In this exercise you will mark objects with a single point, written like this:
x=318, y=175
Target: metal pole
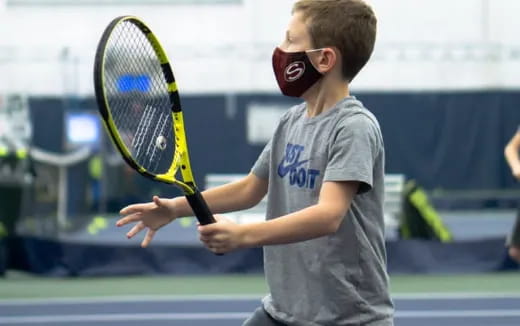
x=62, y=196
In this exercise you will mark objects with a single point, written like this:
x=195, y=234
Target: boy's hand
x=516, y=172
x=223, y=236
x=153, y=216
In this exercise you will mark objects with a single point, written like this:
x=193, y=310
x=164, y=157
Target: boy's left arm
x=312, y=222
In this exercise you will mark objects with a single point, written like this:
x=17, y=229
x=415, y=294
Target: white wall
x=37, y=36
x=446, y=44
x=422, y=44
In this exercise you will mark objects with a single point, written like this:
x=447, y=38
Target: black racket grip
x=200, y=208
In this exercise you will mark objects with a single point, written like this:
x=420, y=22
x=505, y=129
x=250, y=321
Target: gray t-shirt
x=339, y=279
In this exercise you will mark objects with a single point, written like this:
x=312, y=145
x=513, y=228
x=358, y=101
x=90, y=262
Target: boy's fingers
x=135, y=208
x=158, y=201
x=216, y=249
x=130, y=209
x=207, y=230
x=128, y=219
x=148, y=238
x=136, y=229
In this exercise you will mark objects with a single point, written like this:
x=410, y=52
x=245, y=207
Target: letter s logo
x=294, y=71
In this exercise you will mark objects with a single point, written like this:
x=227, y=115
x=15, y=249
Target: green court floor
x=19, y=285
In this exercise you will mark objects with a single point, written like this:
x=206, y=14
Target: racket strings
x=138, y=97
x=144, y=123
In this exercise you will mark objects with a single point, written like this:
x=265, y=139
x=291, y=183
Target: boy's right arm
x=511, y=154
x=242, y=194
x=235, y=196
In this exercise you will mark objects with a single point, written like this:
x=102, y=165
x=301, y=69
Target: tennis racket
x=139, y=102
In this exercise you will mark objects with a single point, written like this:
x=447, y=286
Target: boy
x=511, y=153
x=324, y=254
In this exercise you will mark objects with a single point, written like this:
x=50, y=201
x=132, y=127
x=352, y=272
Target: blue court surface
x=425, y=310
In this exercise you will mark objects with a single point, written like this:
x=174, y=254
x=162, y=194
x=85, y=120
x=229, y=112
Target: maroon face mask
x=294, y=72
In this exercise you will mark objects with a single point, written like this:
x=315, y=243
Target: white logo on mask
x=294, y=71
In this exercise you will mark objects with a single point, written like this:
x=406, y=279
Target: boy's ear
x=327, y=59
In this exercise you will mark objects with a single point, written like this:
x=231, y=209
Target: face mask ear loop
x=315, y=50
x=310, y=51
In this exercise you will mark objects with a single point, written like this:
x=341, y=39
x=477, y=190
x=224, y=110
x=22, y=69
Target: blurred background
x=444, y=82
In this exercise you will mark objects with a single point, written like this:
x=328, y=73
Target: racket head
x=138, y=99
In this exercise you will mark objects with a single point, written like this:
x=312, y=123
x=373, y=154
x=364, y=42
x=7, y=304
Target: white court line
x=122, y=317
x=234, y=315
x=455, y=295
x=129, y=298
x=217, y=298
x=458, y=313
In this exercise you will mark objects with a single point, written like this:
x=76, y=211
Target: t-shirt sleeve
x=353, y=151
x=261, y=166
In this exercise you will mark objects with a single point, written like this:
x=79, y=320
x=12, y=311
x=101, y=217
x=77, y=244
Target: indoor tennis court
x=180, y=311
x=108, y=103
x=473, y=299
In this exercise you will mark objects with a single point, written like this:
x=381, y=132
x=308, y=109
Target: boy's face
x=297, y=37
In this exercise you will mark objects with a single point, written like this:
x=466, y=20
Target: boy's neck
x=325, y=95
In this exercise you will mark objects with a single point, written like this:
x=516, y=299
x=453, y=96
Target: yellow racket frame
x=180, y=159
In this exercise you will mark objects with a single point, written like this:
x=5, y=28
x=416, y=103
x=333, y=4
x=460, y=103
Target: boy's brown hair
x=348, y=25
